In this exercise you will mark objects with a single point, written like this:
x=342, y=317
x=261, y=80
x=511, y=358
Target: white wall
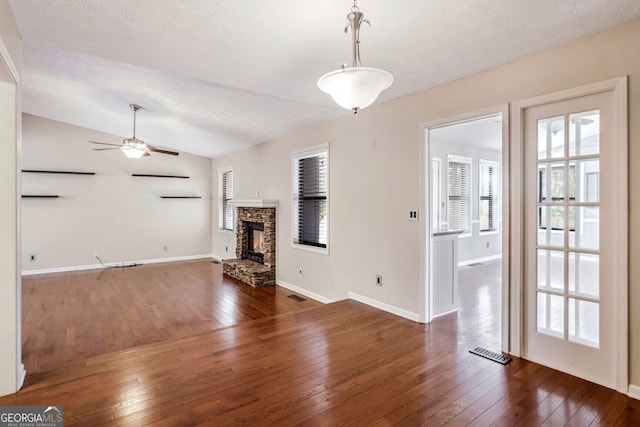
x=120, y=217
x=476, y=246
x=375, y=173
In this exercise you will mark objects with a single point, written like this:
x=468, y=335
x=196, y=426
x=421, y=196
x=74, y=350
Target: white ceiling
x=216, y=76
x=481, y=132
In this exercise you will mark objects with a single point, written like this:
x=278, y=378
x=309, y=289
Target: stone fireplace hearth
x=255, y=262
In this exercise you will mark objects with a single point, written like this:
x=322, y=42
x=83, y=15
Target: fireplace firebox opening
x=255, y=242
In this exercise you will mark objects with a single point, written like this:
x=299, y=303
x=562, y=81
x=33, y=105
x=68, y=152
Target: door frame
x=517, y=208
x=12, y=374
x=425, y=203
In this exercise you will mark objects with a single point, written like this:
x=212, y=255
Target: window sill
x=322, y=251
x=223, y=231
x=488, y=232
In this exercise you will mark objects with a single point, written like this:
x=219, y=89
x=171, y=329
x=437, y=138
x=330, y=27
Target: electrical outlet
x=226, y=248
x=165, y=248
x=33, y=257
x=413, y=215
x=300, y=272
x=378, y=280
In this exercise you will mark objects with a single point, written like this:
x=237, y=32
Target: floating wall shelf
x=58, y=172
x=159, y=176
x=39, y=196
x=180, y=197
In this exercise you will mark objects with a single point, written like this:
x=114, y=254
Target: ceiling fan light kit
x=355, y=87
x=134, y=150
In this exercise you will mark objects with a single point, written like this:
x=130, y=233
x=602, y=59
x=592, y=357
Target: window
x=436, y=193
x=488, y=207
x=551, y=182
x=459, y=194
x=310, y=182
x=225, y=194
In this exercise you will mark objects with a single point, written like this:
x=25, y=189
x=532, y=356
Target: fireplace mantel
x=254, y=203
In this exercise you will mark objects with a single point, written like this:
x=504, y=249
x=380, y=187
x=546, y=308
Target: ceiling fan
x=133, y=147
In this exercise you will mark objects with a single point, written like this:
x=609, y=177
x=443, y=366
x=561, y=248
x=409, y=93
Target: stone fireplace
x=255, y=262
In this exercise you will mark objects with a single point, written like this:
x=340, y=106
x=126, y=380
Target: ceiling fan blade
x=105, y=149
x=161, y=151
x=105, y=143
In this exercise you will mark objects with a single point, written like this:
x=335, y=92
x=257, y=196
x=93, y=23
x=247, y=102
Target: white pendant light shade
x=355, y=87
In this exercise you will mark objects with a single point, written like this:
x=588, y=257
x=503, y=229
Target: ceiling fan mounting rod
x=135, y=108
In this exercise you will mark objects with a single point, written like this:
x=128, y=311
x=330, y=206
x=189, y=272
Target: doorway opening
x=466, y=283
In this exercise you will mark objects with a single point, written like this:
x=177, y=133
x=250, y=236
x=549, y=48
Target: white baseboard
x=444, y=314
x=385, y=307
x=304, y=292
x=217, y=257
x=61, y=269
x=113, y=264
x=634, y=391
x=474, y=261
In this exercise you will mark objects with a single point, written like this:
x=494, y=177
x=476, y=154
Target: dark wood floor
x=337, y=364
x=68, y=317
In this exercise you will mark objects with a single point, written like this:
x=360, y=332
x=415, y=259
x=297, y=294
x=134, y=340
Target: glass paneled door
x=570, y=207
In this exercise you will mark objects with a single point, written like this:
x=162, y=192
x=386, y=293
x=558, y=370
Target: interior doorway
x=465, y=163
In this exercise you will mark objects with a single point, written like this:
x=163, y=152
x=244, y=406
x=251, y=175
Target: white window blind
x=488, y=210
x=310, y=197
x=225, y=194
x=459, y=194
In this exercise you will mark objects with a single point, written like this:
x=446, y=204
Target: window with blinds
x=225, y=194
x=488, y=205
x=310, y=193
x=459, y=194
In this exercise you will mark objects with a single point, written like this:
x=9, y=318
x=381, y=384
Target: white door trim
x=12, y=374
x=425, y=224
x=619, y=87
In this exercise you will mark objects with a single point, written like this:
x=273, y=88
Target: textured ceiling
x=219, y=75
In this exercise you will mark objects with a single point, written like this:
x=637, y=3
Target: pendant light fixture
x=355, y=87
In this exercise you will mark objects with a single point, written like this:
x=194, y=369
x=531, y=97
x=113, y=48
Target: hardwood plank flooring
x=479, y=296
x=337, y=364
x=68, y=317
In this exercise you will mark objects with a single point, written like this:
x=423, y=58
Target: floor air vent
x=297, y=298
x=491, y=355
